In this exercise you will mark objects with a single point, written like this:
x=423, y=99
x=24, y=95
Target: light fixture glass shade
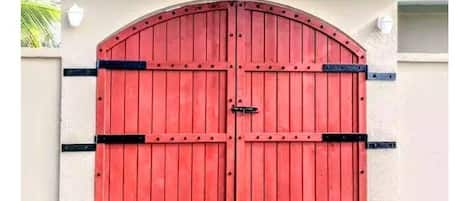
x=75, y=15
x=385, y=24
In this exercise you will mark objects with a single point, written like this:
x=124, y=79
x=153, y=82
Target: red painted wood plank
x=117, y=126
x=283, y=40
x=346, y=117
x=131, y=120
x=321, y=99
x=223, y=35
x=355, y=129
x=242, y=165
x=258, y=37
x=222, y=129
x=213, y=36
x=362, y=168
x=283, y=151
x=160, y=41
x=270, y=38
x=296, y=149
x=270, y=101
x=187, y=38
x=200, y=39
x=159, y=125
x=333, y=121
x=102, y=125
x=258, y=148
x=296, y=42
x=309, y=45
x=211, y=150
x=172, y=126
x=185, y=125
x=296, y=113
x=198, y=160
x=173, y=40
x=309, y=169
x=185, y=105
x=145, y=95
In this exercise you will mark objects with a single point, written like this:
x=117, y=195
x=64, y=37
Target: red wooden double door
x=201, y=61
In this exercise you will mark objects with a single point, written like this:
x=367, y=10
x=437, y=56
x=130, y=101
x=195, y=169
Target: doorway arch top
x=194, y=7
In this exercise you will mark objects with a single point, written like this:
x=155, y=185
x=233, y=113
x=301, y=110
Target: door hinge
x=120, y=139
x=78, y=147
x=121, y=64
x=344, y=137
x=345, y=68
x=244, y=109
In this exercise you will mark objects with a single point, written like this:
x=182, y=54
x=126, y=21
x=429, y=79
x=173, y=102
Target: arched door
x=177, y=94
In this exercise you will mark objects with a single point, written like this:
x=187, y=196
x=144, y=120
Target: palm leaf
x=37, y=20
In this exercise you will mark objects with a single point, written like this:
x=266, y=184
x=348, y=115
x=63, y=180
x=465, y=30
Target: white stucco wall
x=107, y=16
x=40, y=113
x=423, y=135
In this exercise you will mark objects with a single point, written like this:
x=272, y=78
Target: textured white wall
x=104, y=17
x=423, y=139
x=40, y=147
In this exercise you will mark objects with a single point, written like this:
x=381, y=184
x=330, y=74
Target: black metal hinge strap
x=244, y=109
x=345, y=68
x=381, y=145
x=122, y=64
x=344, y=137
x=78, y=147
x=381, y=76
x=120, y=139
x=80, y=72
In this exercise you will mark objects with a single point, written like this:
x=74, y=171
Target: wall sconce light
x=75, y=15
x=385, y=24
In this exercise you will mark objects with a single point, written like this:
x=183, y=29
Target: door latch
x=244, y=109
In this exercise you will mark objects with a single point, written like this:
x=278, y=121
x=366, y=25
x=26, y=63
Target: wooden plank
x=223, y=35
x=211, y=150
x=362, y=168
x=200, y=95
x=185, y=125
x=199, y=114
x=283, y=151
x=185, y=105
x=131, y=120
x=258, y=37
x=222, y=129
x=145, y=94
x=355, y=101
x=172, y=126
x=296, y=113
x=173, y=40
x=321, y=101
x=309, y=149
x=102, y=126
x=296, y=149
x=187, y=38
x=213, y=36
x=159, y=125
x=309, y=45
x=270, y=113
x=242, y=165
x=160, y=41
x=270, y=126
x=346, y=118
x=117, y=126
x=200, y=39
x=333, y=121
x=258, y=148
x=270, y=38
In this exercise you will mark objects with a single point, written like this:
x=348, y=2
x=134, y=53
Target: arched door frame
x=233, y=64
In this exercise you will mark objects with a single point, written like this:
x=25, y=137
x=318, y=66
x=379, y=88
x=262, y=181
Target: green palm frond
x=37, y=21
